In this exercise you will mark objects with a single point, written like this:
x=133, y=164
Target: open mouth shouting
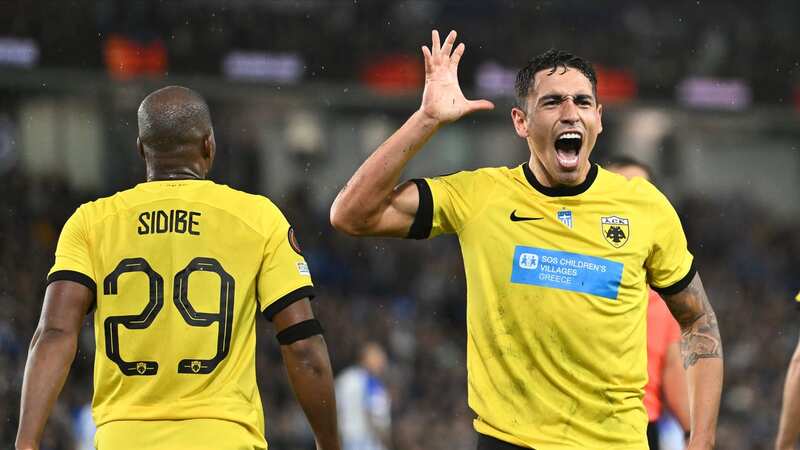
x=568, y=146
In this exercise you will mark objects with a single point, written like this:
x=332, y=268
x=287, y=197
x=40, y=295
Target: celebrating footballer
x=558, y=255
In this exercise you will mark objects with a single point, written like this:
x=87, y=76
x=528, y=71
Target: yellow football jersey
x=557, y=299
x=180, y=270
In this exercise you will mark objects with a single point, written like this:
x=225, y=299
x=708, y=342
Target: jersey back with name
x=181, y=269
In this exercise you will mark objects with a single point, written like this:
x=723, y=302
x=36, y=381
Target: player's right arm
x=789, y=428
x=372, y=203
x=52, y=350
x=305, y=356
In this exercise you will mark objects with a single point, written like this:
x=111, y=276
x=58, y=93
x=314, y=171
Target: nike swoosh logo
x=516, y=218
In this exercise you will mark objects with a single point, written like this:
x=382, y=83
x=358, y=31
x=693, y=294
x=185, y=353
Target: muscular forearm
x=309, y=369
x=701, y=351
x=360, y=203
x=674, y=386
x=789, y=429
x=705, y=388
x=49, y=359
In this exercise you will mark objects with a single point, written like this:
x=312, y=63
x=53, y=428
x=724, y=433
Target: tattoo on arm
x=699, y=330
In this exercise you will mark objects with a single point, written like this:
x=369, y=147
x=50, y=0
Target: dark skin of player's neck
x=190, y=162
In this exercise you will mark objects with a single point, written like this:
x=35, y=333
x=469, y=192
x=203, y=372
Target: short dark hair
x=627, y=161
x=553, y=60
x=172, y=117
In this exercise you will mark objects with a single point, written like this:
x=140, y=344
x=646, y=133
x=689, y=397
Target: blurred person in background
x=789, y=428
x=558, y=254
x=363, y=402
x=176, y=270
x=666, y=379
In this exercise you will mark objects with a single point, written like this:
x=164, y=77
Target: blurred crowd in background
x=410, y=297
x=655, y=43
x=407, y=296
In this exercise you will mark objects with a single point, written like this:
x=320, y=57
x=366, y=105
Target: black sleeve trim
x=423, y=221
x=77, y=277
x=71, y=275
x=281, y=303
x=299, y=331
x=679, y=285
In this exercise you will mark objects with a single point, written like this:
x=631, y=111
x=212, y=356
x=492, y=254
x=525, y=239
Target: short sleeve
x=284, y=277
x=447, y=203
x=669, y=265
x=73, y=260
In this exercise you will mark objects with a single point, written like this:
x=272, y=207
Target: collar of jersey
x=560, y=191
x=183, y=181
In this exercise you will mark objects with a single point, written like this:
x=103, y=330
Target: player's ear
x=209, y=150
x=140, y=148
x=520, y=120
x=600, y=118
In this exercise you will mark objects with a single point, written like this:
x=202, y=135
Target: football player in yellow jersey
x=789, y=428
x=558, y=254
x=176, y=270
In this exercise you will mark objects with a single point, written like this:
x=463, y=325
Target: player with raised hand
x=387, y=210
x=558, y=255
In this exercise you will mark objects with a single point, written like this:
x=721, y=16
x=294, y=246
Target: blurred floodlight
x=713, y=93
x=18, y=52
x=494, y=80
x=263, y=66
x=304, y=132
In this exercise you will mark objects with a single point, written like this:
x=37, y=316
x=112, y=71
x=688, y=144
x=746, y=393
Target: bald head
x=172, y=118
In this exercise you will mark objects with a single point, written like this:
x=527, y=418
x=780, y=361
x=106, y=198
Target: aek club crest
x=616, y=230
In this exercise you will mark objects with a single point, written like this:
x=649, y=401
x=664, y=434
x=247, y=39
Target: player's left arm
x=789, y=428
x=305, y=356
x=51, y=352
x=701, y=349
x=674, y=386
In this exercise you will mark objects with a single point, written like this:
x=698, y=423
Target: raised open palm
x=442, y=98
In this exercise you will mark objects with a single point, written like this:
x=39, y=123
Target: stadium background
x=301, y=91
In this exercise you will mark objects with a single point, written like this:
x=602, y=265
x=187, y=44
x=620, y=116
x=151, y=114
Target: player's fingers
x=479, y=105
x=427, y=56
x=449, y=41
x=459, y=51
x=436, y=46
